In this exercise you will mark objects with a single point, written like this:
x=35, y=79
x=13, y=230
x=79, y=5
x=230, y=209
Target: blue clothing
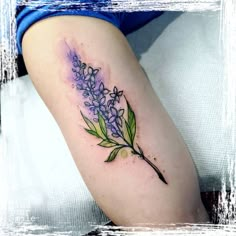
x=125, y=21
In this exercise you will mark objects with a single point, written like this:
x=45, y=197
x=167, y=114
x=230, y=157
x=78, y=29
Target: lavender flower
x=98, y=106
x=82, y=67
x=77, y=74
x=96, y=94
x=116, y=94
x=76, y=63
x=101, y=90
x=91, y=74
x=88, y=88
x=116, y=116
x=79, y=68
x=79, y=85
x=110, y=119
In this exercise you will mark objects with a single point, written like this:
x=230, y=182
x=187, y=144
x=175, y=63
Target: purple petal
x=112, y=95
x=108, y=126
x=121, y=112
x=87, y=104
x=95, y=111
x=82, y=76
x=87, y=77
x=94, y=97
x=112, y=119
x=109, y=102
x=75, y=64
x=79, y=86
x=80, y=82
x=101, y=87
x=77, y=74
x=113, y=130
x=96, y=92
x=75, y=58
x=119, y=121
x=105, y=91
x=115, y=90
x=115, y=135
x=95, y=72
x=117, y=99
x=85, y=94
x=81, y=71
x=120, y=93
x=100, y=96
x=106, y=113
x=95, y=103
x=93, y=85
x=102, y=100
x=92, y=78
x=114, y=111
x=103, y=108
x=90, y=70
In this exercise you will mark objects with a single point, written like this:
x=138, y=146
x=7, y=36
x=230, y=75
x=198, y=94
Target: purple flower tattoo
x=113, y=125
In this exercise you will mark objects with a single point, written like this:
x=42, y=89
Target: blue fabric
x=125, y=21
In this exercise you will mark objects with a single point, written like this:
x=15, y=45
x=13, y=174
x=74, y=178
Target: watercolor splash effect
x=107, y=120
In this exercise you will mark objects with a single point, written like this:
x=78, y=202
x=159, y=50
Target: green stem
x=161, y=177
x=155, y=168
x=141, y=155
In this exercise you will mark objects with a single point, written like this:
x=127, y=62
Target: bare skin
x=127, y=189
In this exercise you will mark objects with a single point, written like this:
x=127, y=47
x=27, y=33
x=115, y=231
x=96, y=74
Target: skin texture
x=127, y=189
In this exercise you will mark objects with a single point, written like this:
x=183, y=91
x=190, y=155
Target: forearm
x=152, y=178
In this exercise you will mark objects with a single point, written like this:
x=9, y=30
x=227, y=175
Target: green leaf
x=131, y=122
x=94, y=129
x=113, y=154
x=113, y=141
x=94, y=133
x=107, y=144
x=100, y=133
x=102, y=124
x=127, y=133
x=88, y=122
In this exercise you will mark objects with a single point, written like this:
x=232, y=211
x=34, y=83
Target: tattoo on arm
x=114, y=125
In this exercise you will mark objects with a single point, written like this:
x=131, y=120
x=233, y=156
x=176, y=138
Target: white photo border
x=8, y=68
